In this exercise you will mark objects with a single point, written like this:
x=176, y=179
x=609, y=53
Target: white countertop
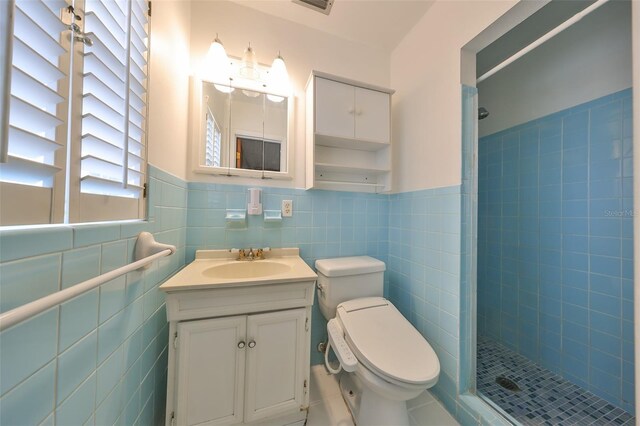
x=194, y=277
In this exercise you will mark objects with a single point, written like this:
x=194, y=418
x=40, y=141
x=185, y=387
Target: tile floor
x=327, y=408
x=545, y=398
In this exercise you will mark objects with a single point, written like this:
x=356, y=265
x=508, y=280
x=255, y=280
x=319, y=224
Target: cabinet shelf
x=336, y=168
x=345, y=143
x=349, y=186
x=348, y=135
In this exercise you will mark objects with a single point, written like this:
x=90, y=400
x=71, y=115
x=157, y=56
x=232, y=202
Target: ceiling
x=378, y=23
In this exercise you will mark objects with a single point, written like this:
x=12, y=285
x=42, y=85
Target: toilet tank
x=347, y=278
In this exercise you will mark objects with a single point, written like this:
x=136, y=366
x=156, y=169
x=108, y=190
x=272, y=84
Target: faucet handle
x=260, y=253
x=240, y=253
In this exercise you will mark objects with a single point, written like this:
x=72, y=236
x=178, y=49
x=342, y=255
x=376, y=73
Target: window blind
x=36, y=128
x=114, y=98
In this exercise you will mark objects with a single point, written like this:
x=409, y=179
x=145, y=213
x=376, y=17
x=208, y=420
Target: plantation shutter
x=33, y=145
x=213, y=142
x=114, y=109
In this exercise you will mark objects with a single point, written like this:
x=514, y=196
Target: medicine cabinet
x=241, y=132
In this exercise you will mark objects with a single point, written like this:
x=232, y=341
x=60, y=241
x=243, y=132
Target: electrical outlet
x=287, y=208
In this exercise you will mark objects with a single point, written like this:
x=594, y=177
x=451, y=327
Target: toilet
x=387, y=360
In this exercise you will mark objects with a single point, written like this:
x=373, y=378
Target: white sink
x=247, y=269
x=219, y=268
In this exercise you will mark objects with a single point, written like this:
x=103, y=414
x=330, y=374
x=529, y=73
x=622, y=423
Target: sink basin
x=219, y=268
x=247, y=269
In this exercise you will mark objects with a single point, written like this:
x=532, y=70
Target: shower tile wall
x=101, y=357
x=324, y=224
x=555, y=244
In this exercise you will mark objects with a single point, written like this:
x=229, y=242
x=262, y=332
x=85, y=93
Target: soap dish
x=236, y=215
x=272, y=216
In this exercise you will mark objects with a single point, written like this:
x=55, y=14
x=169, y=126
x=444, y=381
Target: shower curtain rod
x=557, y=30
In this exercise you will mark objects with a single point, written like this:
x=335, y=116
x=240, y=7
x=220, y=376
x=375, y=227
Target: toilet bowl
x=395, y=363
x=388, y=361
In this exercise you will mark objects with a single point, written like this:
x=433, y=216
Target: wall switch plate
x=287, y=208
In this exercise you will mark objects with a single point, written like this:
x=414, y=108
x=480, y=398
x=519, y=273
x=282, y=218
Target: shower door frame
x=468, y=397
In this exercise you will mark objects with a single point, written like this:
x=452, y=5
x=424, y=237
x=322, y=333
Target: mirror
x=243, y=130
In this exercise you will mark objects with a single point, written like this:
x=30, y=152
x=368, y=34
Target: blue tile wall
x=424, y=274
x=101, y=357
x=324, y=224
x=555, y=244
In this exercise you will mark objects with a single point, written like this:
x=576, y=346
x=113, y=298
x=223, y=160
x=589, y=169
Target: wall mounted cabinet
x=348, y=134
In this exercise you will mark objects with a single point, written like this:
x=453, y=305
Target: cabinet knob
x=351, y=110
x=252, y=344
x=241, y=345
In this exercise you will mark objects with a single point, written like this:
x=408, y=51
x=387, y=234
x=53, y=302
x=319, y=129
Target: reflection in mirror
x=215, y=107
x=244, y=129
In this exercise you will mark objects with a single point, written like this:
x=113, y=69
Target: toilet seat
x=386, y=343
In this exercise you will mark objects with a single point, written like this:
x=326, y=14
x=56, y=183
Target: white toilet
x=388, y=359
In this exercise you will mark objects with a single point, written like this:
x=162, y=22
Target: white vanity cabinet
x=241, y=368
x=348, y=133
x=239, y=339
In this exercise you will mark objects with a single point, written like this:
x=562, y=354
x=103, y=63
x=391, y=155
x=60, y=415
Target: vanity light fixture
x=227, y=74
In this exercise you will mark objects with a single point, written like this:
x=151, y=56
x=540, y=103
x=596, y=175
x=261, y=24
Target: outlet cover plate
x=287, y=208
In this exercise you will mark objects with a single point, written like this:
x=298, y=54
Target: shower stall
x=555, y=337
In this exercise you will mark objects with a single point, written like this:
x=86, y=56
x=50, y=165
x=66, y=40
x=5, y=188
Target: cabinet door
x=372, y=115
x=275, y=365
x=210, y=373
x=334, y=108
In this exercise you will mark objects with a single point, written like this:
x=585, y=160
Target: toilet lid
x=386, y=342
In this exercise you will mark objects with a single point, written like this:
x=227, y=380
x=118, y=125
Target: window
x=76, y=107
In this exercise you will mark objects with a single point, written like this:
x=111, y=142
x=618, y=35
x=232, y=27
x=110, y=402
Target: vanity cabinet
x=241, y=368
x=348, y=134
x=239, y=354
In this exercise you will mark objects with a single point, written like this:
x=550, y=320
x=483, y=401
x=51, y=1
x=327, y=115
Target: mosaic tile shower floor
x=545, y=398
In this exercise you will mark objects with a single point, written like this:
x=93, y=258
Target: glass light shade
x=278, y=80
x=249, y=66
x=217, y=67
x=224, y=89
x=251, y=93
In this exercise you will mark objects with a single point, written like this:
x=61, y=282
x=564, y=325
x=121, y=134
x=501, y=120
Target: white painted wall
x=425, y=71
x=169, y=86
x=588, y=60
x=304, y=49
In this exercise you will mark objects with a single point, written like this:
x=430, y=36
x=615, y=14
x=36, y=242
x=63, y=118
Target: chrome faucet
x=251, y=255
